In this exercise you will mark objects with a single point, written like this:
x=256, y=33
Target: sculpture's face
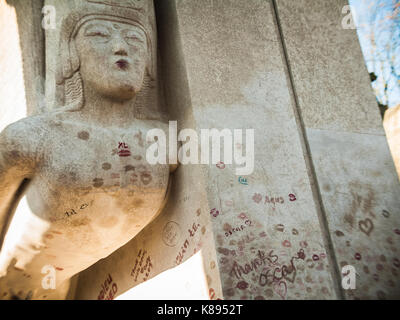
x=112, y=58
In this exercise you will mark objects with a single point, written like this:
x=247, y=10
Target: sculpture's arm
x=17, y=162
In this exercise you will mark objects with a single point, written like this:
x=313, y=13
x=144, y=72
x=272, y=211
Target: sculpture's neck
x=107, y=112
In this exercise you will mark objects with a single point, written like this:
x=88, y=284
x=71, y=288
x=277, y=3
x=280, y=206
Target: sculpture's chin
x=122, y=93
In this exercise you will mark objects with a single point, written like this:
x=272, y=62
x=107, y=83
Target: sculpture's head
x=113, y=58
x=107, y=46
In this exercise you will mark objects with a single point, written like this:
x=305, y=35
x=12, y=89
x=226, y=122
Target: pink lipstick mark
x=221, y=165
x=286, y=244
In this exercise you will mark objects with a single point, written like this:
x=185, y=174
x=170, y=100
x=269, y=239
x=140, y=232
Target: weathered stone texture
x=355, y=175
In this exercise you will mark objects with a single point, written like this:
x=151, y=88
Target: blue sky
x=378, y=27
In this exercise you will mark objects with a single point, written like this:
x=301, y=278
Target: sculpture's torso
x=93, y=191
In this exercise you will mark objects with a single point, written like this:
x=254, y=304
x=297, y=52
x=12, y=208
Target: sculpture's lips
x=122, y=64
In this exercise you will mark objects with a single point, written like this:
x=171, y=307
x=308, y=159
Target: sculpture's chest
x=96, y=187
x=79, y=162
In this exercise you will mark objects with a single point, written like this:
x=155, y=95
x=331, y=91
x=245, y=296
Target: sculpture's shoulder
x=152, y=124
x=20, y=141
x=166, y=129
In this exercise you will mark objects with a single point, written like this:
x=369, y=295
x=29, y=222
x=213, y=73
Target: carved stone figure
x=83, y=166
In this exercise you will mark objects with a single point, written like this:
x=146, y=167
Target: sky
x=378, y=27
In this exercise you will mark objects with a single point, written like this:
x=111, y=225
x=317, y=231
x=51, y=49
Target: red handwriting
x=108, y=289
x=211, y=293
x=192, y=231
x=276, y=200
x=258, y=198
x=270, y=274
x=181, y=253
x=238, y=229
x=261, y=260
x=143, y=266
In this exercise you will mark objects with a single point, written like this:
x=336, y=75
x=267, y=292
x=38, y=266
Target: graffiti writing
x=143, y=266
x=108, y=289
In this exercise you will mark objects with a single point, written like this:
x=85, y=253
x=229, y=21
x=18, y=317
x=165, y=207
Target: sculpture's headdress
x=139, y=13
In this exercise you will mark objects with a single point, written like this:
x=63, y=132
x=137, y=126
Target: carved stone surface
x=89, y=187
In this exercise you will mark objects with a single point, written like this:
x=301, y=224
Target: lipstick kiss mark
x=221, y=165
x=106, y=166
x=243, y=285
x=98, y=182
x=286, y=244
x=124, y=153
x=123, y=150
x=214, y=212
x=242, y=216
x=146, y=178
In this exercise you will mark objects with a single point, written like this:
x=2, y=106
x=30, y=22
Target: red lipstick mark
x=221, y=165
x=214, y=212
x=286, y=244
x=303, y=244
x=123, y=150
x=242, y=216
x=243, y=285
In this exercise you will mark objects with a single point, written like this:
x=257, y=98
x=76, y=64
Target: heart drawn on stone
x=366, y=226
x=280, y=289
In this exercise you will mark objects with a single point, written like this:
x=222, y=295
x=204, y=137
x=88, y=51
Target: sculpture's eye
x=133, y=38
x=98, y=32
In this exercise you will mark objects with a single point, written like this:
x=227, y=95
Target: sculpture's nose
x=119, y=46
x=121, y=52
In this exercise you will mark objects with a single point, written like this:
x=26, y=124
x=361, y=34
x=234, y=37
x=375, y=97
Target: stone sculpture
x=83, y=165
